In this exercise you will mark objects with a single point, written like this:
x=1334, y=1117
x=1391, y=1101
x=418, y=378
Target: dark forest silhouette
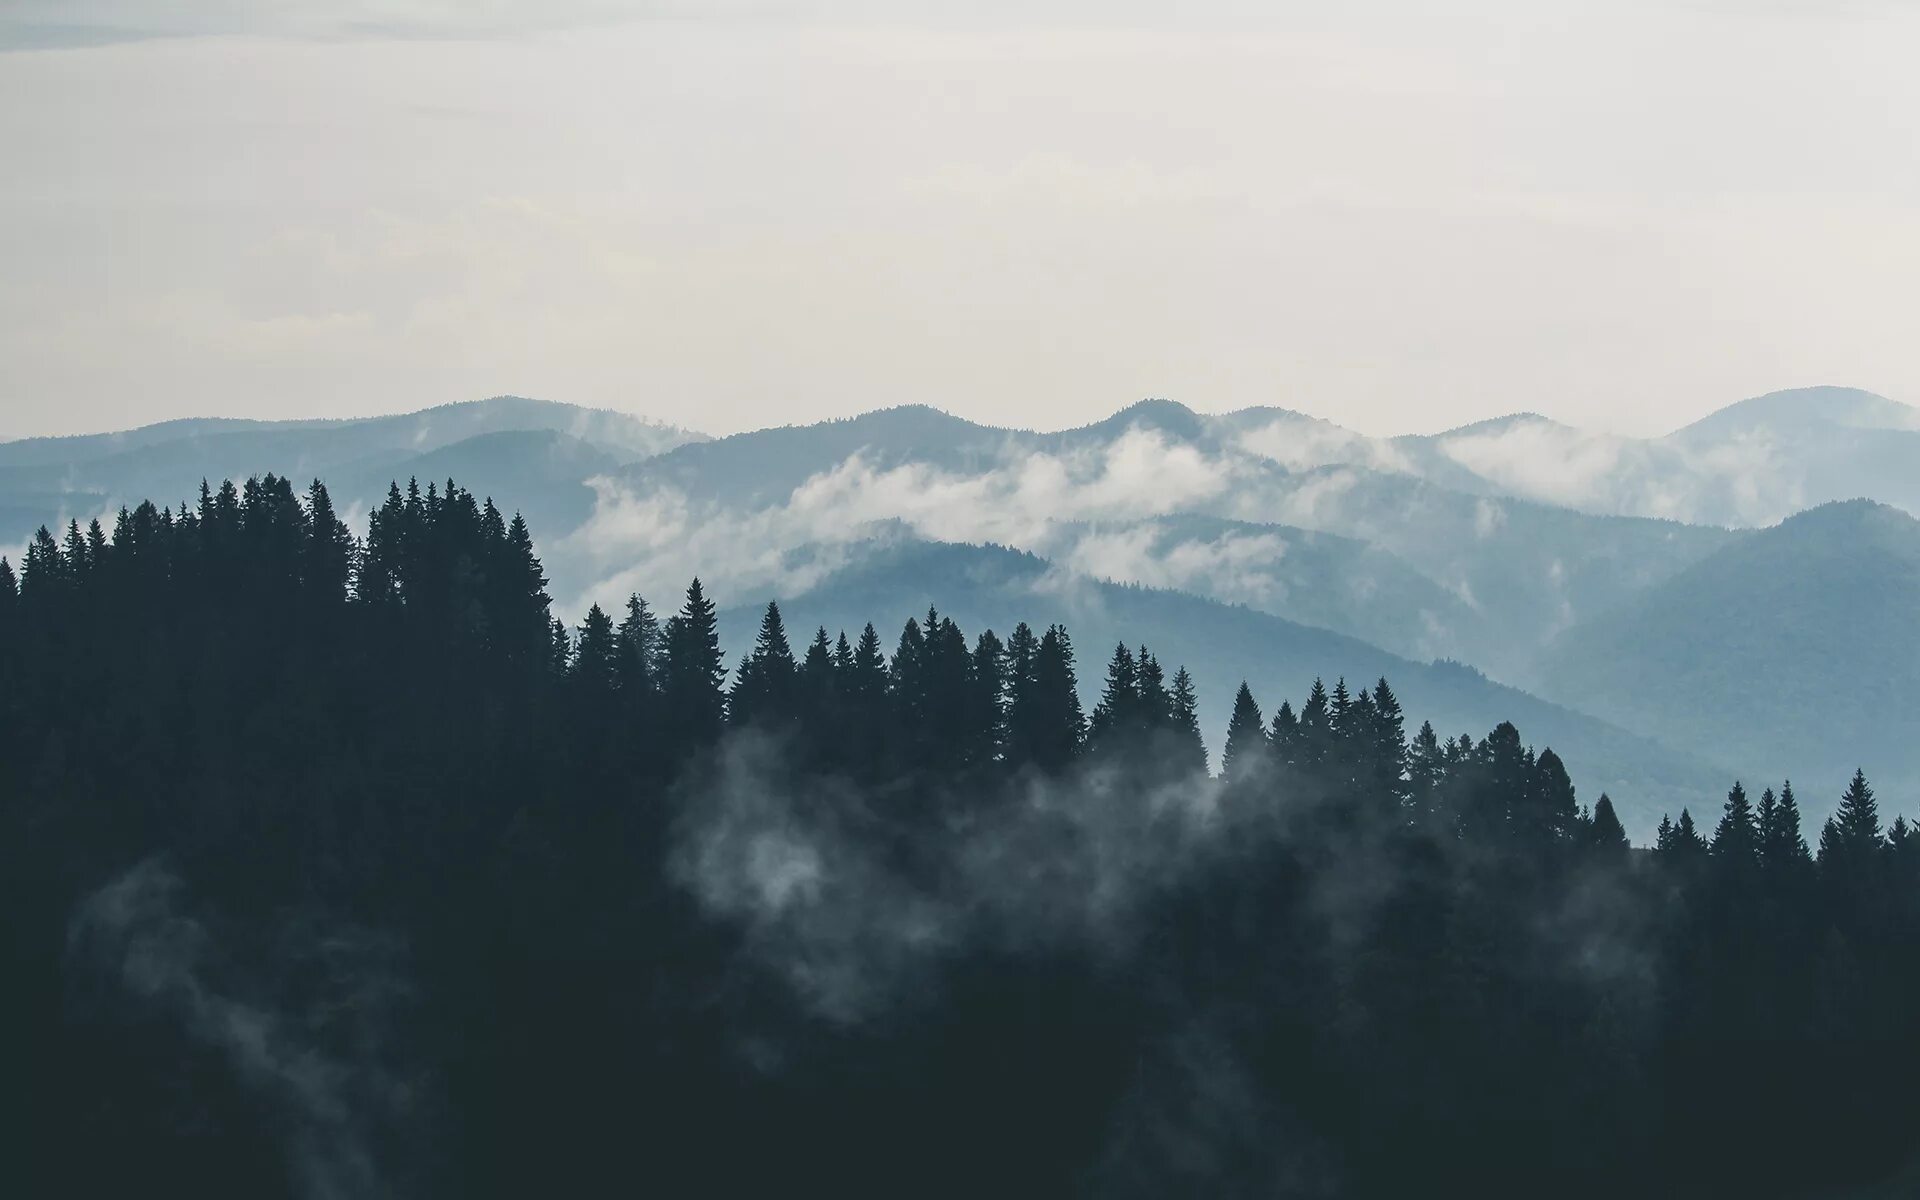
x=342, y=867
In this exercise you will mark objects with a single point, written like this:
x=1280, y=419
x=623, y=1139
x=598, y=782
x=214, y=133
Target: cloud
x=326, y=1068
x=796, y=862
x=651, y=538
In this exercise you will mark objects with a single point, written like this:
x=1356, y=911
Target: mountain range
x=1732, y=599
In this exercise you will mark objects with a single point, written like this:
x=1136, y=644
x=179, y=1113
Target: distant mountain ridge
x=1790, y=649
x=1518, y=544
x=994, y=587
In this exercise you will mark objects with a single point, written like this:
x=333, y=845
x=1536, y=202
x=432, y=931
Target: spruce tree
x=1857, y=821
x=1156, y=704
x=691, y=695
x=327, y=564
x=1736, y=840
x=639, y=644
x=1546, y=811
x=1246, y=747
x=1315, y=743
x=766, y=685
x=1118, y=712
x=1283, y=737
x=1782, y=848
x=1604, y=832
x=1045, y=722
x=596, y=665
x=1189, y=749
x=986, y=728
x=1387, y=747
x=1426, y=769
x=1686, y=838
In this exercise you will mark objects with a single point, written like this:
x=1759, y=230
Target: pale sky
x=1401, y=216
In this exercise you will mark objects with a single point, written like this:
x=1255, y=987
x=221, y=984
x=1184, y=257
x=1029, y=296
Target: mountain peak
x=1165, y=416
x=1803, y=408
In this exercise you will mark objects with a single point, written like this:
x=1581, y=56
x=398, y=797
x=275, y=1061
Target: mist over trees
x=335, y=866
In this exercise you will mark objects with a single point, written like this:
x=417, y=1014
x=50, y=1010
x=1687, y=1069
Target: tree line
x=320, y=741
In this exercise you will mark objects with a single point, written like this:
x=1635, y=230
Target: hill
x=1793, y=649
x=993, y=587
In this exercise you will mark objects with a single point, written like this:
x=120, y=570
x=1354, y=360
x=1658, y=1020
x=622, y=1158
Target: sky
x=1398, y=215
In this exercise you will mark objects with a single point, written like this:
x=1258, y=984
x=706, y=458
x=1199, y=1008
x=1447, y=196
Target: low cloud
x=325, y=1067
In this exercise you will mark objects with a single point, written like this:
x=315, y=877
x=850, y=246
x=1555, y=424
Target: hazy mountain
x=538, y=472
x=1423, y=547
x=993, y=587
x=1465, y=574
x=1312, y=577
x=1793, y=649
x=48, y=480
x=1750, y=464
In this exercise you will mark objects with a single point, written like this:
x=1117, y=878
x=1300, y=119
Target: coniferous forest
x=340, y=867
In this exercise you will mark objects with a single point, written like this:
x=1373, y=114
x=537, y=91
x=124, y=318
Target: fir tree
x=1189, y=750
x=1045, y=723
x=1782, y=847
x=1246, y=745
x=327, y=564
x=765, y=688
x=1856, y=824
x=691, y=695
x=1119, y=710
x=596, y=665
x=638, y=641
x=1736, y=840
x=1604, y=832
x=986, y=728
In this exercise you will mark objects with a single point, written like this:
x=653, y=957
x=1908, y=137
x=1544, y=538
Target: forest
x=335, y=866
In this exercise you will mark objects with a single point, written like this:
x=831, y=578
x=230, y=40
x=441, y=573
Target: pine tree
x=1782, y=848
x=1246, y=746
x=523, y=600
x=596, y=663
x=1736, y=840
x=1156, y=704
x=1857, y=822
x=1387, y=747
x=1315, y=742
x=867, y=679
x=378, y=583
x=559, y=649
x=1604, y=832
x=327, y=564
x=1686, y=838
x=638, y=641
x=986, y=730
x=1045, y=723
x=1546, y=812
x=1188, y=753
x=765, y=688
x=1283, y=737
x=817, y=672
x=1118, y=712
x=1426, y=770
x=691, y=695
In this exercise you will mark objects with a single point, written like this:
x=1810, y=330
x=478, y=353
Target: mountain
x=1338, y=583
x=1792, y=650
x=538, y=472
x=1750, y=464
x=48, y=480
x=1473, y=576
x=994, y=587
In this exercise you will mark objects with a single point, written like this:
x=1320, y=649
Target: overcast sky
x=1398, y=215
